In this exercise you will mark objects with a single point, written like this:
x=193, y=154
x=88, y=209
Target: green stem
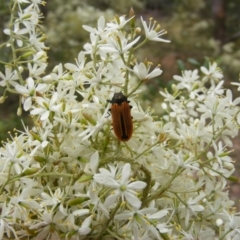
x=141, y=44
x=140, y=83
x=148, y=187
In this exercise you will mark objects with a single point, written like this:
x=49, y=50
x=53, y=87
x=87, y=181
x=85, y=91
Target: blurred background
x=199, y=30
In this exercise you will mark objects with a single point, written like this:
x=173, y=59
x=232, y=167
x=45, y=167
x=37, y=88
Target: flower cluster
x=69, y=177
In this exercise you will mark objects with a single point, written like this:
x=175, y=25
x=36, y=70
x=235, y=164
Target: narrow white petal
x=30, y=83
x=37, y=111
x=81, y=212
x=126, y=171
x=106, y=180
x=94, y=160
x=45, y=116
x=27, y=104
x=158, y=214
x=111, y=199
x=21, y=89
x=124, y=215
x=132, y=200
x=138, y=185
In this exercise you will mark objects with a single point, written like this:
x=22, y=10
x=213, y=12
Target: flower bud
x=89, y=118
x=138, y=30
x=30, y=171
x=35, y=136
x=27, y=54
x=85, y=178
x=39, y=159
x=19, y=111
x=219, y=222
x=2, y=99
x=76, y=201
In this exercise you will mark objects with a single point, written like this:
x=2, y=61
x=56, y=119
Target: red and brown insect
x=121, y=117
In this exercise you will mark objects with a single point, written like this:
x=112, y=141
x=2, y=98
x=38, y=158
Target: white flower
x=100, y=27
x=193, y=133
x=167, y=96
x=192, y=207
x=80, y=61
x=30, y=18
x=35, y=70
x=17, y=31
x=178, y=112
x=5, y=221
x=40, y=58
x=30, y=91
x=123, y=187
x=46, y=106
x=10, y=155
x=215, y=109
x=220, y=156
x=213, y=72
x=53, y=199
x=24, y=199
x=142, y=71
x=139, y=219
x=9, y=77
x=216, y=89
x=152, y=31
x=144, y=118
x=232, y=224
x=85, y=229
x=187, y=80
x=185, y=163
x=48, y=219
x=92, y=48
x=231, y=102
x=118, y=44
x=119, y=23
x=203, y=232
x=92, y=130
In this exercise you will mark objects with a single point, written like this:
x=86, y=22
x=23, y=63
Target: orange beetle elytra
x=121, y=117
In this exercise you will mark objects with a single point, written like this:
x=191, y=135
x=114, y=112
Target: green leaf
x=193, y=61
x=181, y=65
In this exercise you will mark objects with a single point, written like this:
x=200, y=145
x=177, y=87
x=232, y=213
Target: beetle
x=121, y=117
